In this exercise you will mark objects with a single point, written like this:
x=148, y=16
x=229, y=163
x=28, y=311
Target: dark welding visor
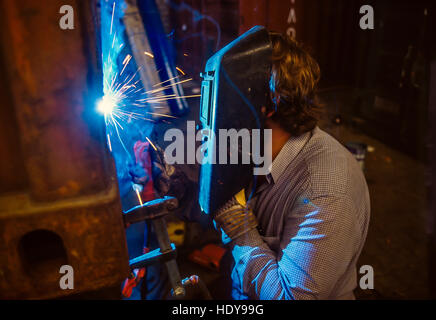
x=235, y=87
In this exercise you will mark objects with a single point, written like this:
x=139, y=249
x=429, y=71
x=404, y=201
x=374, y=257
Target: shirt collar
x=286, y=155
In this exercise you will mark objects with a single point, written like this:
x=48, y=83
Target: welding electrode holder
x=166, y=253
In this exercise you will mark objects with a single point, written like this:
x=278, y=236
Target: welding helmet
x=235, y=87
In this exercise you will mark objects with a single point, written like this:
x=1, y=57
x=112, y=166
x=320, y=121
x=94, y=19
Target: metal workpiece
x=151, y=210
x=59, y=202
x=152, y=257
x=155, y=211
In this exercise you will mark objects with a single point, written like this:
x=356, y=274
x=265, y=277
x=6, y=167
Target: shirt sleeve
x=316, y=248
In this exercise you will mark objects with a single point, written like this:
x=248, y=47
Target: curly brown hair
x=294, y=78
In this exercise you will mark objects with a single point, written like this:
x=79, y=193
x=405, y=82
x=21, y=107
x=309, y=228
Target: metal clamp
x=155, y=211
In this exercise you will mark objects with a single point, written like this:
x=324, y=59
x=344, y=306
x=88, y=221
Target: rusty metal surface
x=48, y=73
x=12, y=169
x=92, y=235
x=62, y=175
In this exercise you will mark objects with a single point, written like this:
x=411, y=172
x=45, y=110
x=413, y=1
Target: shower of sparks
x=125, y=99
x=125, y=94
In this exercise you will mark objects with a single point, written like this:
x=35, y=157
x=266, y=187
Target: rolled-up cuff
x=250, y=238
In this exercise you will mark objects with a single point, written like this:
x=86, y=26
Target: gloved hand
x=141, y=171
x=138, y=175
x=235, y=218
x=170, y=180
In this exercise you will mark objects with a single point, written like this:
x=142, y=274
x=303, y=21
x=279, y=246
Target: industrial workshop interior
x=217, y=150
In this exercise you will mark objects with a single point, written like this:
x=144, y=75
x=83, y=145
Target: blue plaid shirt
x=313, y=215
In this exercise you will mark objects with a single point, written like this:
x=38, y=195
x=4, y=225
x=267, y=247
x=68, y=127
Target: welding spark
x=112, y=20
x=166, y=87
x=127, y=58
x=125, y=99
x=162, y=115
x=160, y=83
x=154, y=147
x=126, y=62
x=174, y=97
x=149, y=54
x=180, y=70
x=139, y=196
x=109, y=142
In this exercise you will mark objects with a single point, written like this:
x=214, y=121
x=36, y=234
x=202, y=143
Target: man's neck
x=279, y=138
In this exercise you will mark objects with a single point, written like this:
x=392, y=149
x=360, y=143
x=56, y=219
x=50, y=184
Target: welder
x=303, y=228
x=302, y=232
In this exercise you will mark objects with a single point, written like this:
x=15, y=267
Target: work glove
x=235, y=218
x=141, y=171
x=138, y=174
x=169, y=180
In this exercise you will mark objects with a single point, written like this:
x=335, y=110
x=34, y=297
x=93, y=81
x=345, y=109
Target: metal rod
x=160, y=229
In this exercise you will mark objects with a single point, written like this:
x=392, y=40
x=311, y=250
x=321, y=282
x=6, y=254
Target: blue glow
x=124, y=103
x=106, y=105
x=128, y=107
x=111, y=39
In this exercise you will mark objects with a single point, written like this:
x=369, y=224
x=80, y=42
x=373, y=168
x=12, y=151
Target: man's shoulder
x=323, y=149
x=323, y=144
x=330, y=166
